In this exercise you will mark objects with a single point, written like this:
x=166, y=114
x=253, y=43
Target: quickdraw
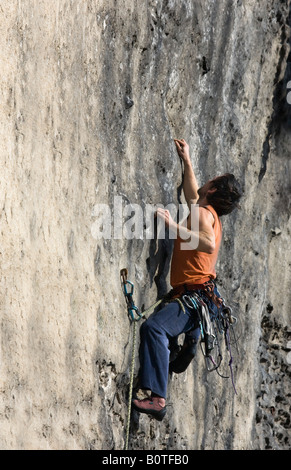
x=132, y=310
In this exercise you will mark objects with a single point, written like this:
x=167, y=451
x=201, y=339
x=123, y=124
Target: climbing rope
x=134, y=315
x=130, y=386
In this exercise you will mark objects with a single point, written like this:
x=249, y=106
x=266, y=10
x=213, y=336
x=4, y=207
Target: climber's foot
x=155, y=406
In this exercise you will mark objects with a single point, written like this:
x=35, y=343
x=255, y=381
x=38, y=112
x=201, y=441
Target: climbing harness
x=213, y=322
x=212, y=326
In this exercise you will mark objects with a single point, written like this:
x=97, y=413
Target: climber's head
x=222, y=193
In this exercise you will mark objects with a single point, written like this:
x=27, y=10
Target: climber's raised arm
x=190, y=185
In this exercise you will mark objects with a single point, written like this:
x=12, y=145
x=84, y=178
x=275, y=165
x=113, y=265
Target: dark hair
x=227, y=195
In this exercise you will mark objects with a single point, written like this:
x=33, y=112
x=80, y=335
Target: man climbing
x=191, y=270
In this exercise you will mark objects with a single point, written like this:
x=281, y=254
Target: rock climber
x=191, y=269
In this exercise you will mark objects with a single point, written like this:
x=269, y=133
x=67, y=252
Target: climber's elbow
x=211, y=248
x=206, y=245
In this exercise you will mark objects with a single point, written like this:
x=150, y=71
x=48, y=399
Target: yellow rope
x=134, y=321
x=150, y=310
x=130, y=386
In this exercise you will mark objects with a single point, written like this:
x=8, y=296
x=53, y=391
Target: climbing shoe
x=154, y=406
x=185, y=356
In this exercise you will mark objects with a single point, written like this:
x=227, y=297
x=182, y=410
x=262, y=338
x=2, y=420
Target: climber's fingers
x=182, y=148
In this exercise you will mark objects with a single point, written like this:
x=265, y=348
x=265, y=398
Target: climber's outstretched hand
x=182, y=149
x=165, y=216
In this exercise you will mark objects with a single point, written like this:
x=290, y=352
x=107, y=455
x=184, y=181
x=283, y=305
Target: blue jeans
x=163, y=325
x=155, y=333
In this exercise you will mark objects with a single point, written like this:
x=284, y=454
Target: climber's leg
x=154, y=352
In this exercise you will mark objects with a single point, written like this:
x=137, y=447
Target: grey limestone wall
x=92, y=95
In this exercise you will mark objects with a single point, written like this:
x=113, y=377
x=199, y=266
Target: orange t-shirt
x=193, y=266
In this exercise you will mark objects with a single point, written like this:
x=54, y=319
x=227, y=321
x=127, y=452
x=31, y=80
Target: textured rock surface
x=92, y=94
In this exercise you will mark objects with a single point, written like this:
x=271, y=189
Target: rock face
x=92, y=95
